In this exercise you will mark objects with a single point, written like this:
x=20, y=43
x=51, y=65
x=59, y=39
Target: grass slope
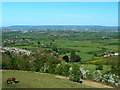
x=38, y=80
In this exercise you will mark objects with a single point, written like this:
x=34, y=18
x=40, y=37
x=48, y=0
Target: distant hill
x=64, y=27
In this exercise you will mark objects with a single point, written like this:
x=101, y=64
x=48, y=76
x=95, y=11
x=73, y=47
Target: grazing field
x=38, y=80
x=66, y=43
x=112, y=47
x=83, y=47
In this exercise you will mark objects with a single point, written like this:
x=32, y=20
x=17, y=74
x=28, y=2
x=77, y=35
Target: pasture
x=112, y=47
x=38, y=80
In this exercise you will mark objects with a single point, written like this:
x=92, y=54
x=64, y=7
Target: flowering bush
x=45, y=68
x=71, y=77
x=74, y=74
x=85, y=73
x=70, y=68
x=111, y=78
x=97, y=75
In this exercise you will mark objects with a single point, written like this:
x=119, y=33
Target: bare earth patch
x=89, y=83
x=95, y=84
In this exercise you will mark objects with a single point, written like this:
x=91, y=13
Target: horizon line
x=59, y=25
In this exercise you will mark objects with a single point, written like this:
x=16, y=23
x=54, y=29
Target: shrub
x=111, y=79
x=75, y=73
x=59, y=69
x=99, y=67
x=97, y=75
x=85, y=73
x=66, y=58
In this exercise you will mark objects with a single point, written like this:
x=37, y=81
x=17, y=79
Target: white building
x=116, y=54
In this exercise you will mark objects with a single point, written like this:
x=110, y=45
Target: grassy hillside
x=38, y=80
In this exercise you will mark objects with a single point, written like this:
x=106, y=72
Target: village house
x=116, y=54
x=17, y=50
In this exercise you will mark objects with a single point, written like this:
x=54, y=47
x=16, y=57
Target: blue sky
x=60, y=13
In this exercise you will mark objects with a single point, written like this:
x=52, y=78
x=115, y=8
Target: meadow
x=38, y=80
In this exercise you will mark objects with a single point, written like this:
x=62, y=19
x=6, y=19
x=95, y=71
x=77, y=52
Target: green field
x=112, y=47
x=84, y=48
x=84, y=56
x=38, y=80
x=92, y=68
x=77, y=44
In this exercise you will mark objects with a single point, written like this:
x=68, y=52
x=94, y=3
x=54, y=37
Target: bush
x=99, y=67
x=97, y=75
x=76, y=78
x=59, y=69
x=35, y=69
x=85, y=73
x=66, y=58
x=111, y=79
x=75, y=73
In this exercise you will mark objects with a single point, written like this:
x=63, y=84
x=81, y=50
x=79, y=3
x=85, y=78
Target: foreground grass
x=38, y=80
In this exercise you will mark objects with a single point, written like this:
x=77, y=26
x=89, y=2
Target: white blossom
x=70, y=68
x=97, y=75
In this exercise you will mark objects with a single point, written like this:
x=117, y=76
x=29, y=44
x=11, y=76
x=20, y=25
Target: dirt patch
x=62, y=77
x=89, y=83
x=95, y=84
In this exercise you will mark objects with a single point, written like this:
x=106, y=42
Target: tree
x=7, y=53
x=50, y=43
x=12, y=62
x=73, y=56
x=59, y=70
x=78, y=58
x=66, y=58
x=66, y=70
x=53, y=40
x=99, y=67
x=54, y=48
x=38, y=43
x=75, y=73
x=6, y=61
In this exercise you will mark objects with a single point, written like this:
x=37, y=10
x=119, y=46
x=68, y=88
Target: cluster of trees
x=42, y=62
x=73, y=57
x=33, y=62
x=98, y=53
x=62, y=50
x=63, y=69
x=73, y=71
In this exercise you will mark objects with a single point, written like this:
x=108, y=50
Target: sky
x=60, y=13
